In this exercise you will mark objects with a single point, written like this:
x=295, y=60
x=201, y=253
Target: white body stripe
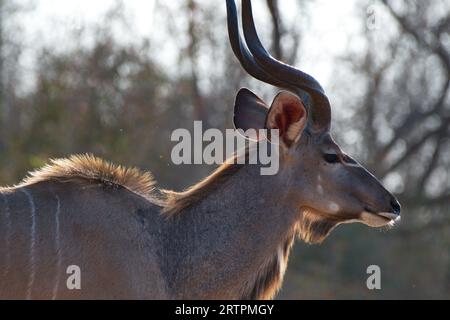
x=57, y=248
x=32, y=242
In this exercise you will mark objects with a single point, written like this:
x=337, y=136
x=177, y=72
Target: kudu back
x=227, y=237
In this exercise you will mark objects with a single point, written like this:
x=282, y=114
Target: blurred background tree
x=121, y=100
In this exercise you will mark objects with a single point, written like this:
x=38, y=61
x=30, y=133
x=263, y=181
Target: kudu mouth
x=375, y=218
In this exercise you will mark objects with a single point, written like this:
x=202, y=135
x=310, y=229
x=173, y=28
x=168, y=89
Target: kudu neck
x=229, y=235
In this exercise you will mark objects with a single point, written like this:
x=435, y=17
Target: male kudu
x=227, y=237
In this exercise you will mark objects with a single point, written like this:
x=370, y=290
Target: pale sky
x=334, y=26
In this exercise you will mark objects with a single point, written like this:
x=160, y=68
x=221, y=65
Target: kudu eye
x=331, y=158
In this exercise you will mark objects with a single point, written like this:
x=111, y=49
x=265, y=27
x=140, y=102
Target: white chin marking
x=378, y=219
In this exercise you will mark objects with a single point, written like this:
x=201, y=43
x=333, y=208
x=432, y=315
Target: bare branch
x=412, y=149
x=277, y=30
x=192, y=50
x=431, y=164
x=413, y=119
x=443, y=26
x=434, y=45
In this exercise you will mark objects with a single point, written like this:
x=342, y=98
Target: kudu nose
x=395, y=205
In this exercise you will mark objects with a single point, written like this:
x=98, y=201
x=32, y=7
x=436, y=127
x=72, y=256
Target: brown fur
x=89, y=169
x=266, y=283
x=313, y=226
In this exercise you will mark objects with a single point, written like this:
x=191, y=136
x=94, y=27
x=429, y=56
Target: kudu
x=227, y=237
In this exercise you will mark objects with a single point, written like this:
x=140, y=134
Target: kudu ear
x=288, y=115
x=250, y=112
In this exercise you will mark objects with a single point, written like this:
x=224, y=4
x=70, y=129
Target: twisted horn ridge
x=260, y=64
x=241, y=51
